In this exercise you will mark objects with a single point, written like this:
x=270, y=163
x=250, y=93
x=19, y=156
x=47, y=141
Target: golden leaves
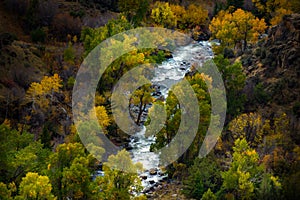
x=239, y=26
x=39, y=93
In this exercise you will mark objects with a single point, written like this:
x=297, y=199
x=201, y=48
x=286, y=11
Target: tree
x=92, y=37
x=7, y=190
x=239, y=27
x=273, y=10
x=234, y=79
x=135, y=10
x=45, y=102
x=173, y=117
x=244, y=174
x=195, y=16
x=209, y=195
x=102, y=116
x=76, y=180
x=41, y=94
x=120, y=177
x=270, y=188
x=204, y=175
x=19, y=154
x=249, y=126
x=69, y=170
x=35, y=187
x=141, y=98
x=162, y=15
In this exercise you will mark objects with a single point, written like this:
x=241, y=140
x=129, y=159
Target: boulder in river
x=153, y=171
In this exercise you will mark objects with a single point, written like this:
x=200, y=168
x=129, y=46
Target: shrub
x=260, y=95
x=77, y=13
x=38, y=35
x=69, y=54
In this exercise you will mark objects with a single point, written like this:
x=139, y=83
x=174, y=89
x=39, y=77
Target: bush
x=69, y=54
x=70, y=82
x=77, y=13
x=260, y=95
x=38, y=35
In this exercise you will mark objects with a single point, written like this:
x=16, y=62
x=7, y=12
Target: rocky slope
x=273, y=72
x=20, y=65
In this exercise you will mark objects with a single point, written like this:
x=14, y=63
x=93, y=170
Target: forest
x=48, y=153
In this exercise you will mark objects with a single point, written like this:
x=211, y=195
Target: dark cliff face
x=273, y=73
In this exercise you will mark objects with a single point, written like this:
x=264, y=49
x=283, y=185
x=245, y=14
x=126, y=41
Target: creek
x=167, y=74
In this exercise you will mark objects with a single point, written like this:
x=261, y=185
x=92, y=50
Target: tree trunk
x=141, y=109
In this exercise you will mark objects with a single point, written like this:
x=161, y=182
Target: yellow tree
x=162, y=15
x=103, y=118
x=239, y=27
x=191, y=17
x=36, y=187
x=41, y=94
x=179, y=12
x=120, y=177
x=249, y=126
x=196, y=15
x=274, y=10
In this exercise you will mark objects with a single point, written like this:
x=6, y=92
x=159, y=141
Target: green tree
x=69, y=170
x=120, y=177
x=7, y=190
x=135, y=10
x=174, y=112
x=69, y=54
x=204, y=175
x=244, y=174
x=209, y=195
x=234, y=79
x=76, y=180
x=92, y=37
x=19, y=154
x=35, y=187
x=270, y=188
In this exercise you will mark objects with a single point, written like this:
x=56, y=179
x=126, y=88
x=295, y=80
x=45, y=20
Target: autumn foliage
x=237, y=29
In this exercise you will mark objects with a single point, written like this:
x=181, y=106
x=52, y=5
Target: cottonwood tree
x=120, y=177
x=249, y=126
x=274, y=10
x=244, y=174
x=35, y=187
x=19, y=154
x=162, y=15
x=239, y=27
x=141, y=98
x=69, y=170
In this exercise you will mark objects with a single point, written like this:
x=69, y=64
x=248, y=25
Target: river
x=167, y=74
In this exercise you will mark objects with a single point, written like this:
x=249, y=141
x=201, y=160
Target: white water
x=166, y=75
